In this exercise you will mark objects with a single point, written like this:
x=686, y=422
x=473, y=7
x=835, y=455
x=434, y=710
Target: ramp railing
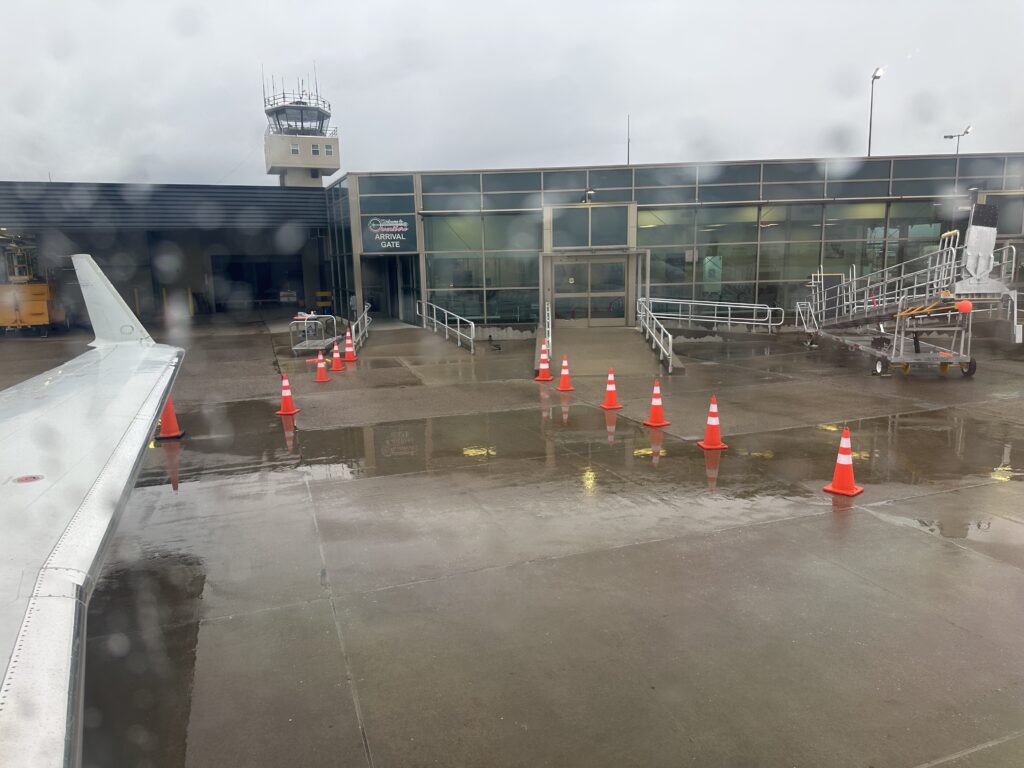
x=856, y=299
x=361, y=327
x=456, y=328
x=727, y=313
x=653, y=330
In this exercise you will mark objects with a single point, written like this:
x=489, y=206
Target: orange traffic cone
x=321, y=370
x=169, y=429
x=657, y=438
x=609, y=426
x=712, y=432
x=564, y=402
x=657, y=417
x=171, y=453
x=336, y=364
x=711, y=462
x=287, y=404
x=288, y=424
x=611, y=399
x=544, y=366
x=564, y=385
x=842, y=481
x=350, y=351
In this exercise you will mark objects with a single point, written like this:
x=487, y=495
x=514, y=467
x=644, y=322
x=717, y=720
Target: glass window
x=611, y=177
x=571, y=308
x=607, y=276
x=513, y=306
x=791, y=222
x=910, y=221
x=608, y=225
x=316, y=150
x=729, y=174
x=563, y=198
x=511, y=269
x=469, y=304
x=735, y=192
x=924, y=168
x=672, y=265
x=907, y=250
x=452, y=233
x=727, y=262
x=612, y=196
x=328, y=149
x=451, y=182
x=924, y=187
x=572, y=277
x=512, y=200
x=737, y=292
x=388, y=204
x=784, y=295
x=793, y=191
x=455, y=270
x=512, y=231
x=665, y=177
x=385, y=185
x=295, y=149
x=991, y=182
x=565, y=179
x=981, y=166
x=511, y=182
x=672, y=291
x=607, y=306
x=867, y=256
x=855, y=169
x=451, y=202
x=788, y=261
x=855, y=221
x=665, y=226
x=666, y=195
x=1011, y=214
x=727, y=224
x=794, y=171
x=570, y=227
x=857, y=189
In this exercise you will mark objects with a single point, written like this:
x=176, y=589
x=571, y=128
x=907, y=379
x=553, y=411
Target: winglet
x=112, y=320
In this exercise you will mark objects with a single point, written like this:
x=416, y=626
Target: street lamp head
x=877, y=74
x=967, y=130
x=949, y=136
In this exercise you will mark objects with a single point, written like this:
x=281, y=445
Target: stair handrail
x=652, y=328
x=457, y=326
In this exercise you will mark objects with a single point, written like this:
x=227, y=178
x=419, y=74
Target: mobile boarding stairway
x=919, y=312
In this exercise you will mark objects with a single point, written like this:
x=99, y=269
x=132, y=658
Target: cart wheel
x=970, y=368
x=943, y=368
x=881, y=366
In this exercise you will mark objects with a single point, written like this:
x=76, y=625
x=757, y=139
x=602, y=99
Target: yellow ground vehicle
x=26, y=300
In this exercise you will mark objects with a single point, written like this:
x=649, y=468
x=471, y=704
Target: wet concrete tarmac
x=442, y=562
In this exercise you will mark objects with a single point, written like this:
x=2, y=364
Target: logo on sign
x=388, y=233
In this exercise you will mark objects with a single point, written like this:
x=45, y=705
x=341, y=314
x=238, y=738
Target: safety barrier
x=728, y=313
x=547, y=325
x=652, y=329
x=361, y=327
x=454, y=325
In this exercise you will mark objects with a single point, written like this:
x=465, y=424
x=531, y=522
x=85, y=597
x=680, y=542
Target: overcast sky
x=153, y=91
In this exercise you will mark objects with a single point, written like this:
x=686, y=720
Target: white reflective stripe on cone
x=844, y=459
x=844, y=442
x=713, y=420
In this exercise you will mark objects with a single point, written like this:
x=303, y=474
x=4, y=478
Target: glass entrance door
x=590, y=291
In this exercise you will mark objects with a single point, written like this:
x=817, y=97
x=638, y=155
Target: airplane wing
x=71, y=441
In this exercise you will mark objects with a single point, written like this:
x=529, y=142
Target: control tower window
x=295, y=149
x=328, y=149
x=316, y=149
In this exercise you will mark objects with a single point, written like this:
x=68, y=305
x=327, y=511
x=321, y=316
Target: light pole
x=876, y=75
x=958, y=136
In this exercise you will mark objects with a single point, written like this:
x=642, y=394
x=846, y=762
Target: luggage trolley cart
x=312, y=332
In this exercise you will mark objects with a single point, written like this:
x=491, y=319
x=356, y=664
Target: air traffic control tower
x=299, y=145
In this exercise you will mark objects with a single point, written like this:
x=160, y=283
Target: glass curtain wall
x=340, y=261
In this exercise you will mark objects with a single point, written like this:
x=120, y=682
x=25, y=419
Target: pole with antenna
x=628, y=139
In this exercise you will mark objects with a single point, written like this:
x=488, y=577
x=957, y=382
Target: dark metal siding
x=173, y=206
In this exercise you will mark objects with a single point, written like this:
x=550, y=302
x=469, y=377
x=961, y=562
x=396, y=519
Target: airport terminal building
x=495, y=245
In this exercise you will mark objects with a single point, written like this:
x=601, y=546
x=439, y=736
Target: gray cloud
x=170, y=92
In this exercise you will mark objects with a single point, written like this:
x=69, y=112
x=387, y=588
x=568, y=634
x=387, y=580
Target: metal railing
x=728, y=313
x=361, y=327
x=856, y=298
x=547, y=325
x=454, y=325
x=654, y=331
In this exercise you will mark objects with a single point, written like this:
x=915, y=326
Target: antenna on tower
x=263, y=82
x=316, y=80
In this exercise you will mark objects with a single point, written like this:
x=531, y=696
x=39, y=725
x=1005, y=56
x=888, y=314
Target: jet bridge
x=919, y=312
